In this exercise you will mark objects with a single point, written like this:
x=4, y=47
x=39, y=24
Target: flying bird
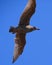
x=23, y=28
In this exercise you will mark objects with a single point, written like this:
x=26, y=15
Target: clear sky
x=38, y=49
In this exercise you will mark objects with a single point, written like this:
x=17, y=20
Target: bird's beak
x=36, y=28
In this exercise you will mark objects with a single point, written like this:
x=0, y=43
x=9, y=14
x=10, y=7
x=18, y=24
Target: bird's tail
x=12, y=29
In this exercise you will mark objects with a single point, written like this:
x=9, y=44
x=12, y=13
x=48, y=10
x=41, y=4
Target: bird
x=23, y=28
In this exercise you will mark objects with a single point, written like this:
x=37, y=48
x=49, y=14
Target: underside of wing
x=19, y=46
x=28, y=12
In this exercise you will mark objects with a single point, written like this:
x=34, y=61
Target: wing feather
x=28, y=12
x=19, y=46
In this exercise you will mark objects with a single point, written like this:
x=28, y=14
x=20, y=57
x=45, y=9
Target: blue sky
x=38, y=49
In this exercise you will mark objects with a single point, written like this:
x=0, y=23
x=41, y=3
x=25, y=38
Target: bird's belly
x=23, y=30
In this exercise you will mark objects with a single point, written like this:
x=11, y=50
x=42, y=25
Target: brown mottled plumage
x=23, y=28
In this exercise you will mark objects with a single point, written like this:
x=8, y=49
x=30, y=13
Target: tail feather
x=12, y=29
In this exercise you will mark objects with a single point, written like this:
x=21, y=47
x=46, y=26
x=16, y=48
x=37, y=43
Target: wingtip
x=13, y=60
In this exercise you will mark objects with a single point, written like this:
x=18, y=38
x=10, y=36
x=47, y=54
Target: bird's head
x=31, y=28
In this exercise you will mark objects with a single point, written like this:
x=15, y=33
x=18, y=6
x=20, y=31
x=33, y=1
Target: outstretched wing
x=28, y=12
x=19, y=46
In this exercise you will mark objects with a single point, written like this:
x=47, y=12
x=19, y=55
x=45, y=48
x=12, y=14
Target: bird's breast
x=21, y=30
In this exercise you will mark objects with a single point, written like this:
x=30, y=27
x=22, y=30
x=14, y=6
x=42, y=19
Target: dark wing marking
x=19, y=45
x=28, y=12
